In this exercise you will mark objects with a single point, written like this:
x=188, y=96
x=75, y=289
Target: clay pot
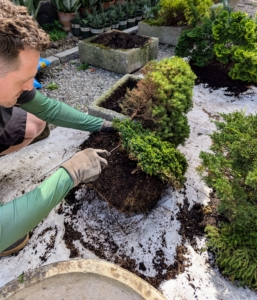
x=65, y=20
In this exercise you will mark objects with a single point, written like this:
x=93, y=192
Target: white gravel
x=79, y=88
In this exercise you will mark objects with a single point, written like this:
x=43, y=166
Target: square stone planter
x=166, y=34
x=96, y=107
x=117, y=60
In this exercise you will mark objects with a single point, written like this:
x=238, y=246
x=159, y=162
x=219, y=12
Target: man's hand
x=106, y=127
x=86, y=165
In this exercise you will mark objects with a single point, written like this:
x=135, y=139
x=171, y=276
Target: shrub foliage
x=154, y=156
x=231, y=169
x=162, y=99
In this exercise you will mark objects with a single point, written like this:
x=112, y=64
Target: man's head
x=20, y=44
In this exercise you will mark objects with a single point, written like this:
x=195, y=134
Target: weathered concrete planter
x=80, y=279
x=120, y=61
x=166, y=34
x=96, y=109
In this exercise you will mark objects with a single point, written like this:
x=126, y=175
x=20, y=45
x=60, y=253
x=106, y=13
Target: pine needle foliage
x=163, y=98
x=154, y=156
x=231, y=169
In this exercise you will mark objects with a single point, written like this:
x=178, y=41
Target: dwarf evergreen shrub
x=231, y=169
x=235, y=37
x=197, y=44
x=165, y=95
x=154, y=156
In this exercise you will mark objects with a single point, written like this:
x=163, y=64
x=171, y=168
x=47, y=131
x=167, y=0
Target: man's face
x=15, y=82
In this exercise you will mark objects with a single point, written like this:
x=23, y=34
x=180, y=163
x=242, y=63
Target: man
x=23, y=113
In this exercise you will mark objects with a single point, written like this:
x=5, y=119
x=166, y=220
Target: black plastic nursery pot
x=123, y=24
x=131, y=21
x=75, y=28
x=138, y=18
x=85, y=31
x=107, y=27
x=95, y=30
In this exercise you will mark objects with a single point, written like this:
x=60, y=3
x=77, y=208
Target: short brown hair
x=18, y=30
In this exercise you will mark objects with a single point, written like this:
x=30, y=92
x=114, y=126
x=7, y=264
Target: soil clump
x=120, y=40
x=215, y=76
x=121, y=183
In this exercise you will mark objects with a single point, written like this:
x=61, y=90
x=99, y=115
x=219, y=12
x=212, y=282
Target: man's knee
x=34, y=126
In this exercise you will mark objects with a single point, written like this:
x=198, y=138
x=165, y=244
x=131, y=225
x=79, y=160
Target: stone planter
x=166, y=34
x=80, y=279
x=96, y=107
x=120, y=61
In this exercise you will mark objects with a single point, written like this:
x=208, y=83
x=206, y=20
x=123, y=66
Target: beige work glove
x=86, y=165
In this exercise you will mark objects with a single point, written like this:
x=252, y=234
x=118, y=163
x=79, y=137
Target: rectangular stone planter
x=96, y=107
x=166, y=34
x=116, y=60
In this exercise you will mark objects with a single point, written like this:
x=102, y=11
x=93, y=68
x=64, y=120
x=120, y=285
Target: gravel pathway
x=79, y=88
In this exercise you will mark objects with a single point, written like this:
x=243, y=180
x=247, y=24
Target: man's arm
x=61, y=114
x=21, y=215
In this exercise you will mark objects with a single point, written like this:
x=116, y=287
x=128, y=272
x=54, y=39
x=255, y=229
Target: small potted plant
x=114, y=19
x=85, y=28
x=122, y=17
x=97, y=24
x=66, y=10
x=75, y=25
x=131, y=13
x=107, y=22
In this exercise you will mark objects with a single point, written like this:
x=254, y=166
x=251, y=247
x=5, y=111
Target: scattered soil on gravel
x=120, y=40
x=121, y=183
x=215, y=76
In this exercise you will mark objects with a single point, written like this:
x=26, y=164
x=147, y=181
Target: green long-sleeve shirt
x=22, y=214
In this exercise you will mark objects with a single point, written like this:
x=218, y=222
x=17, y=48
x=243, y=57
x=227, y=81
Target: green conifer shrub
x=197, y=44
x=231, y=169
x=163, y=98
x=235, y=37
x=154, y=156
x=180, y=12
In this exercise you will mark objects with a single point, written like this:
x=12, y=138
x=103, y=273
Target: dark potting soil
x=120, y=40
x=215, y=76
x=114, y=101
x=121, y=183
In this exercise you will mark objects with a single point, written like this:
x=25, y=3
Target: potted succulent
x=114, y=19
x=131, y=13
x=122, y=15
x=167, y=19
x=97, y=24
x=67, y=10
x=75, y=25
x=107, y=22
x=85, y=28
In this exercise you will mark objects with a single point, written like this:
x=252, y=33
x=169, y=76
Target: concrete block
x=96, y=109
x=116, y=60
x=54, y=61
x=68, y=54
x=166, y=34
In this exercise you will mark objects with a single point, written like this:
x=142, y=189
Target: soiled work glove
x=86, y=165
x=106, y=127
